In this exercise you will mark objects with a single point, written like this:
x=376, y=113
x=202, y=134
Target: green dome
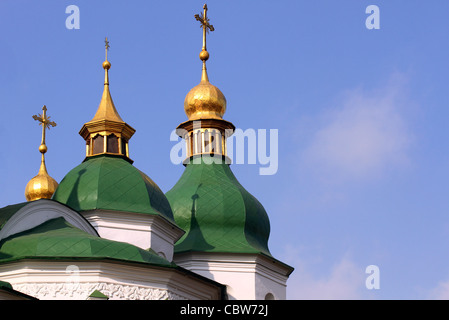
x=216, y=212
x=110, y=182
x=57, y=239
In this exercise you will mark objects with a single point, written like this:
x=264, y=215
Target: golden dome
x=205, y=101
x=41, y=186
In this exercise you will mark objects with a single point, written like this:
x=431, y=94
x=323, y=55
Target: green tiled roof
x=98, y=294
x=4, y=284
x=216, y=212
x=57, y=239
x=8, y=211
x=110, y=182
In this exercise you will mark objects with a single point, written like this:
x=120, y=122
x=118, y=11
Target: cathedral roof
x=110, y=182
x=216, y=212
x=57, y=239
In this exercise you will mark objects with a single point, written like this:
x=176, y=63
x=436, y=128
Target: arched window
x=124, y=147
x=269, y=296
x=207, y=141
x=112, y=144
x=198, y=142
x=190, y=151
x=98, y=144
x=218, y=142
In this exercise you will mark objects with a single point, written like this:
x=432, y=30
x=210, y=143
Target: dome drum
x=205, y=136
x=105, y=136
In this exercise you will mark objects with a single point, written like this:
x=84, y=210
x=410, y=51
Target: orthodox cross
x=45, y=122
x=205, y=25
x=106, y=46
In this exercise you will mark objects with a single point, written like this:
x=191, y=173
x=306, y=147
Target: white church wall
x=246, y=276
x=142, y=230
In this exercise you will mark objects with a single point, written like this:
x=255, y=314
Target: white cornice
x=253, y=265
x=78, y=279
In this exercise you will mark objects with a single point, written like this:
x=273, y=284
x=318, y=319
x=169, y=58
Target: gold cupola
x=42, y=186
x=107, y=133
x=205, y=131
x=205, y=101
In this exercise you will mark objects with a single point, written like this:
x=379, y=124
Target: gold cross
x=205, y=25
x=45, y=122
x=106, y=45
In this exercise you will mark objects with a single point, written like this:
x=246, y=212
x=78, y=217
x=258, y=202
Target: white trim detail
x=70, y=291
x=76, y=280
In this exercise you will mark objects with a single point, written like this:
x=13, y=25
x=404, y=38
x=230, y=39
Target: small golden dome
x=41, y=186
x=205, y=101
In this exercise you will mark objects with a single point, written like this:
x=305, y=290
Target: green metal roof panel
x=216, y=212
x=8, y=211
x=111, y=183
x=56, y=238
x=4, y=284
x=98, y=294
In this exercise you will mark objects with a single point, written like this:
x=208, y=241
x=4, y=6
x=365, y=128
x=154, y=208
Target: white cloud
x=344, y=281
x=441, y=292
x=363, y=135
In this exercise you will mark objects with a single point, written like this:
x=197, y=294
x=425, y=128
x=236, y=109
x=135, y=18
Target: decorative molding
x=76, y=280
x=81, y=291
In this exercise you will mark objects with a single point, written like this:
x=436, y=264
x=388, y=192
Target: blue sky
x=361, y=116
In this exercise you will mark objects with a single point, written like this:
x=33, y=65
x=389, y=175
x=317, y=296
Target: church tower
x=107, y=133
x=120, y=201
x=226, y=228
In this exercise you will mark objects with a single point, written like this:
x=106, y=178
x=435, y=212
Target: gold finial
x=106, y=63
x=106, y=109
x=42, y=186
x=107, y=132
x=204, y=101
x=206, y=26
